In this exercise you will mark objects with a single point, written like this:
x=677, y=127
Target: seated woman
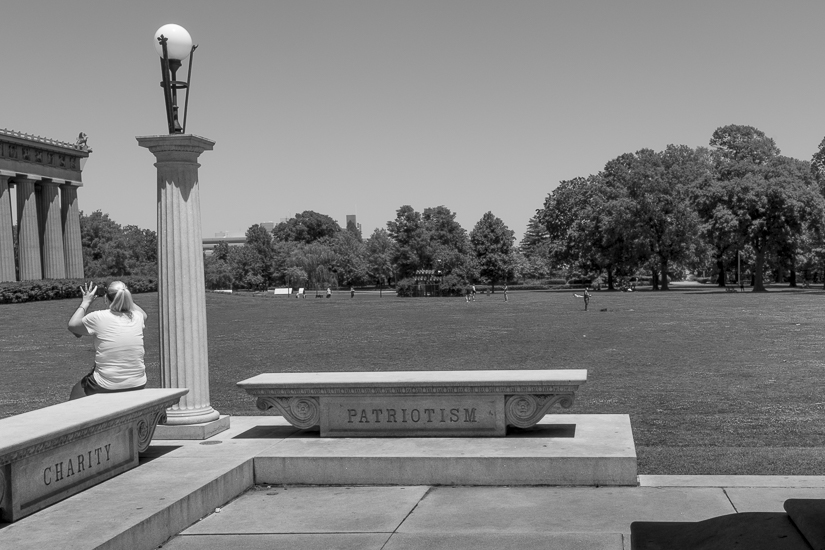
x=117, y=335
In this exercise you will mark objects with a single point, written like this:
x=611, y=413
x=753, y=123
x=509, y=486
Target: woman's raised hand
x=89, y=292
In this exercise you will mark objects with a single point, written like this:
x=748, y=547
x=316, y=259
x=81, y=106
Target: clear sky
x=359, y=107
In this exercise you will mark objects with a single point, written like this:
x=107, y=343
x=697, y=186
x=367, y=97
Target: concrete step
x=563, y=449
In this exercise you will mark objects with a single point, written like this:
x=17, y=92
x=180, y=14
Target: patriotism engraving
x=439, y=416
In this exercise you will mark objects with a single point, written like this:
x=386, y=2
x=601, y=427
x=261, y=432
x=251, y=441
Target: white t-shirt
x=118, y=343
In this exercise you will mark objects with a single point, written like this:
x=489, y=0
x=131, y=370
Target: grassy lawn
x=714, y=382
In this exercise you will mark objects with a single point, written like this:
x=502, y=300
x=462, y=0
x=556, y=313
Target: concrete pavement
x=177, y=490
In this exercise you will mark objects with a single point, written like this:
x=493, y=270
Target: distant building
x=210, y=242
x=351, y=218
x=232, y=238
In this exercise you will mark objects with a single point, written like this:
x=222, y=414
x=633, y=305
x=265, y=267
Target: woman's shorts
x=91, y=387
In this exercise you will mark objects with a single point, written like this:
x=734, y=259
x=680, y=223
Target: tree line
x=311, y=250
x=689, y=210
x=657, y=214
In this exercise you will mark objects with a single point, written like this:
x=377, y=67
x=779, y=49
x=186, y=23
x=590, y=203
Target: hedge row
x=58, y=289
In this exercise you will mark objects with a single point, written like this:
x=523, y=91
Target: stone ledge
x=141, y=508
x=562, y=449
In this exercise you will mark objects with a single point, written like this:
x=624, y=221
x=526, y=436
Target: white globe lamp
x=178, y=41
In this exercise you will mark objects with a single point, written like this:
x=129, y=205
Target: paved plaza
x=202, y=494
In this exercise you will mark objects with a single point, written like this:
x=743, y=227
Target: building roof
x=75, y=147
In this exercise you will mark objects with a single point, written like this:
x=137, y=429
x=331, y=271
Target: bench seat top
x=411, y=379
x=50, y=423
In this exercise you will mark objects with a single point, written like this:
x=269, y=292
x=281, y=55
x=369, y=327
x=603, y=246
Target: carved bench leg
x=525, y=411
x=146, y=428
x=301, y=412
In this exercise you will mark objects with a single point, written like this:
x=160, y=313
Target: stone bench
x=55, y=452
x=415, y=403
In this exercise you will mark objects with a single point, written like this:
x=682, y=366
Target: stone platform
x=481, y=403
x=192, y=488
x=563, y=449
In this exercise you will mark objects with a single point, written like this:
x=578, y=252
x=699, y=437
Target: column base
x=203, y=430
x=175, y=416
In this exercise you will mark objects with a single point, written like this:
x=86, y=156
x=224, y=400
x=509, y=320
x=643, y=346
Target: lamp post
x=184, y=360
x=174, y=44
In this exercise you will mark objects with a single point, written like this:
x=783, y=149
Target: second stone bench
x=478, y=403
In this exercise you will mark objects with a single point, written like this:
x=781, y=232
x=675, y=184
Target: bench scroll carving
x=301, y=412
x=524, y=411
x=146, y=428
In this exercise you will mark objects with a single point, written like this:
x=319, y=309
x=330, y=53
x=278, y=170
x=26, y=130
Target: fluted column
x=28, y=231
x=7, y=271
x=183, y=346
x=72, y=246
x=54, y=263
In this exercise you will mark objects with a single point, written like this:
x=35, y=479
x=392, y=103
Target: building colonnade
x=45, y=175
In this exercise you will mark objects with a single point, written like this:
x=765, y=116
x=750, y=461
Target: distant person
x=117, y=336
x=585, y=297
x=473, y=292
x=329, y=293
x=467, y=294
x=505, y=293
x=352, y=292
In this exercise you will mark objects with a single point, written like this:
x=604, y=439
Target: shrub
x=58, y=289
x=452, y=285
x=405, y=287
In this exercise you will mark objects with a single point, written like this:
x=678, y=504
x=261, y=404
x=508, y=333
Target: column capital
x=24, y=178
x=176, y=147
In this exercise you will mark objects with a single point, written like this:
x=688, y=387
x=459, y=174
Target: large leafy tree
x=379, y=256
x=100, y=239
x=536, y=235
x=318, y=262
x=306, y=227
x=244, y=264
x=431, y=239
x=659, y=187
x=217, y=272
x=112, y=250
x=772, y=198
x=492, y=244
x=411, y=250
x=259, y=241
x=350, y=262
x=449, y=246
x=591, y=227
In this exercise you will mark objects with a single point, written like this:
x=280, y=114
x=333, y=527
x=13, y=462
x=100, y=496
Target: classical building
x=45, y=175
